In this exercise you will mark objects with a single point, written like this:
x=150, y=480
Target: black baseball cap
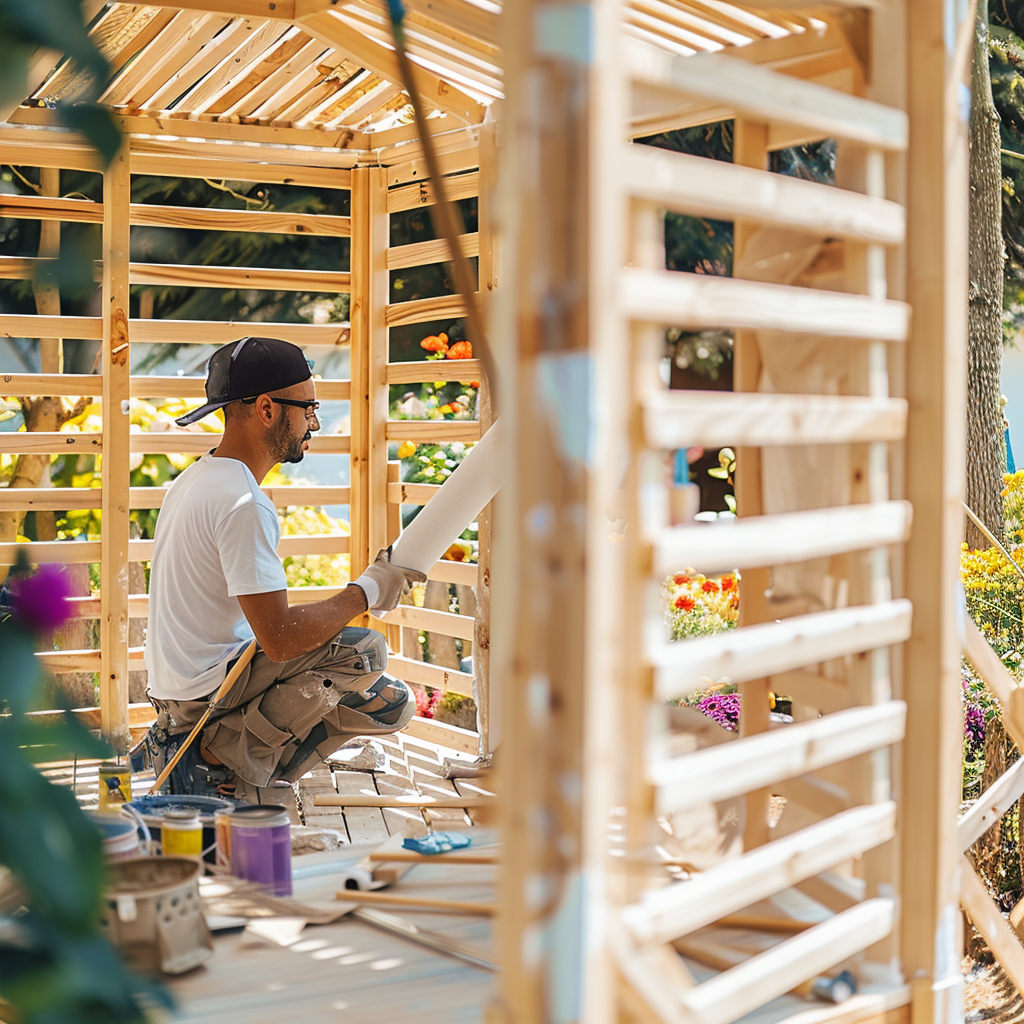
x=247, y=368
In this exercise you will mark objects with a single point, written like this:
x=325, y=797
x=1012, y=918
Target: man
x=216, y=583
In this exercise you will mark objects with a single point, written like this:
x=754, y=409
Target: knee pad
x=356, y=660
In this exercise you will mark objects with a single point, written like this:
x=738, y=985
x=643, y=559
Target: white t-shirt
x=216, y=538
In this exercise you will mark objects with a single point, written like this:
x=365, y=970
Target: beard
x=285, y=446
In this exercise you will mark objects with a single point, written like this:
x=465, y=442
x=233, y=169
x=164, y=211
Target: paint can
x=154, y=806
x=115, y=787
x=181, y=833
x=222, y=835
x=261, y=846
x=120, y=835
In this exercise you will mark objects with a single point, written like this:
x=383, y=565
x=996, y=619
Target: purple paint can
x=261, y=846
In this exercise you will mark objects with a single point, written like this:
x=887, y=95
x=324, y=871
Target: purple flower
x=723, y=708
x=40, y=601
x=974, y=731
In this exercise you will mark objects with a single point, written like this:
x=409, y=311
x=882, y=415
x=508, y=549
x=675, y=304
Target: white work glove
x=384, y=583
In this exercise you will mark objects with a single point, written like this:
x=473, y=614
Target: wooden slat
x=419, y=254
x=712, y=188
x=986, y=917
x=16, y=325
x=50, y=442
x=664, y=914
x=462, y=573
x=762, y=978
x=678, y=419
x=419, y=311
x=432, y=431
x=411, y=494
x=752, y=652
x=446, y=623
x=87, y=661
x=698, y=301
x=434, y=369
x=770, y=97
x=193, y=387
x=461, y=740
x=997, y=678
x=727, y=770
x=779, y=539
x=268, y=221
x=444, y=679
x=991, y=805
x=421, y=193
x=200, y=443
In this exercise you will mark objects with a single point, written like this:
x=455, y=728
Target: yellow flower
x=406, y=450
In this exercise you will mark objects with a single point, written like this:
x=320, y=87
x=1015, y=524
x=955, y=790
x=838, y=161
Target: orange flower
x=461, y=350
x=734, y=601
x=474, y=383
x=680, y=580
x=684, y=603
x=435, y=343
x=709, y=587
x=728, y=583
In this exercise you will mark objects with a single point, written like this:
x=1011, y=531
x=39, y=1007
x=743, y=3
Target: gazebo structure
x=848, y=303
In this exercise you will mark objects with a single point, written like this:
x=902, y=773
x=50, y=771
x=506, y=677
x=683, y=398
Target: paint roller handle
x=229, y=681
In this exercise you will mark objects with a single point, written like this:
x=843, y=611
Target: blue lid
x=156, y=805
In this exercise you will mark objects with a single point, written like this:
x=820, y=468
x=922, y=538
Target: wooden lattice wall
x=375, y=494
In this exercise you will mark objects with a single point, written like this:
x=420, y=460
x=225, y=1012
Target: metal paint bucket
x=153, y=807
x=260, y=846
x=181, y=834
x=120, y=835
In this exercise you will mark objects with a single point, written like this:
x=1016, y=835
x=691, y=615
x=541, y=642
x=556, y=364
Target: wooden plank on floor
x=365, y=824
x=312, y=784
x=400, y=820
x=439, y=817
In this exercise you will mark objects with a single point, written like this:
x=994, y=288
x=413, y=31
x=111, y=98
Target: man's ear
x=265, y=410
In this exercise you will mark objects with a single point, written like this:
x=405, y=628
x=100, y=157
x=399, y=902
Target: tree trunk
x=986, y=453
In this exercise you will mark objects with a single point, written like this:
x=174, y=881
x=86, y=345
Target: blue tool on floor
x=438, y=842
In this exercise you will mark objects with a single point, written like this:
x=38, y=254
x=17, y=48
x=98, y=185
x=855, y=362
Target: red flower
x=461, y=350
x=709, y=587
x=680, y=580
x=684, y=603
x=728, y=583
x=435, y=343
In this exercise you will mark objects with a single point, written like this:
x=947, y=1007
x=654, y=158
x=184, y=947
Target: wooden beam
x=445, y=679
x=678, y=419
x=760, y=541
x=432, y=431
x=1005, y=945
x=115, y=364
x=769, y=648
x=420, y=193
x=697, y=301
x=731, y=769
x=419, y=311
x=379, y=58
x=419, y=254
x=667, y=913
x=446, y=623
x=991, y=806
x=416, y=373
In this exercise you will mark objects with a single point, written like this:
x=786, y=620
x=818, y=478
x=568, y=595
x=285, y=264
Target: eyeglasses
x=311, y=407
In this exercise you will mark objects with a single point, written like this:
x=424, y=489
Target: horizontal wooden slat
x=70, y=385
x=419, y=254
x=463, y=574
x=139, y=715
x=991, y=805
x=664, y=914
x=411, y=494
x=461, y=740
x=679, y=419
x=446, y=679
x=420, y=311
x=751, y=652
x=315, y=544
x=88, y=212
x=448, y=624
x=729, y=769
x=434, y=369
x=712, y=188
x=85, y=661
x=175, y=332
x=49, y=442
x=769, y=96
x=421, y=193
x=17, y=325
x=435, y=431
x=738, y=991
x=698, y=301
x=158, y=442
x=194, y=387
x=757, y=541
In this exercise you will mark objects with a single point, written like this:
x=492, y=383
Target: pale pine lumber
x=418, y=311
x=397, y=800
x=665, y=914
x=717, y=773
x=446, y=623
x=463, y=573
x=447, y=680
x=416, y=373
x=991, y=805
x=435, y=431
x=818, y=796
x=419, y=254
x=767, y=96
x=400, y=899
x=752, y=652
x=678, y=419
x=762, y=978
x=421, y=193
x=698, y=301
x=758, y=541
x=991, y=669
x=993, y=927
x=711, y=188
x=16, y=325
x=813, y=689
x=411, y=494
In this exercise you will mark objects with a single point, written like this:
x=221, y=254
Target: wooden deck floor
x=349, y=970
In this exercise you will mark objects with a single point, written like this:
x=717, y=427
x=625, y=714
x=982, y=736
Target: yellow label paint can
x=181, y=834
x=115, y=785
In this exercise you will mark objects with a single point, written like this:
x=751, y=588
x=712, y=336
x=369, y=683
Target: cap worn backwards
x=247, y=368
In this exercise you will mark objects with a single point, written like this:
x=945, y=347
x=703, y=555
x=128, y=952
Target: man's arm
x=285, y=632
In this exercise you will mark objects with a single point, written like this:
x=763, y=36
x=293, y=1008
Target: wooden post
x=359, y=397
x=115, y=365
x=936, y=361
x=555, y=785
